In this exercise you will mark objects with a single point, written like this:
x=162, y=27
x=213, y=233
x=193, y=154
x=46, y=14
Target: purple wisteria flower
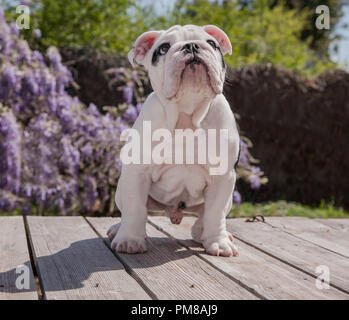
x=127, y=93
x=91, y=193
x=255, y=170
x=55, y=153
x=135, y=76
x=54, y=57
x=237, y=198
x=26, y=2
x=243, y=157
x=130, y=114
x=254, y=182
x=14, y=29
x=23, y=51
x=10, y=160
x=139, y=107
x=37, y=33
x=9, y=76
x=37, y=56
x=250, y=173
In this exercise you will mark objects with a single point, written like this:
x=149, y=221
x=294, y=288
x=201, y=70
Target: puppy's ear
x=141, y=47
x=221, y=37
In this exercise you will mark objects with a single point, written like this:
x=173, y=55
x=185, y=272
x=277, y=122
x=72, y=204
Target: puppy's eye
x=164, y=48
x=212, y=44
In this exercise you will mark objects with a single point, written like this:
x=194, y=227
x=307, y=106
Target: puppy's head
x=183, y=57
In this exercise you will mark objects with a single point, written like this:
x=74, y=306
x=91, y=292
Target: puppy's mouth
x=195, y=60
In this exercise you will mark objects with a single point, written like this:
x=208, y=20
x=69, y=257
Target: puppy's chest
x=184, y=122
x=186, y=177
x=189, y=142
x=187, y=145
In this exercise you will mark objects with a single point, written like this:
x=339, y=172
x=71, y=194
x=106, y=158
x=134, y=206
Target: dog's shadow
x=70, y=268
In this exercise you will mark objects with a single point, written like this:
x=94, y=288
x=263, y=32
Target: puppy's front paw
x=113, y=230
x=221, y=247
x=127, y=244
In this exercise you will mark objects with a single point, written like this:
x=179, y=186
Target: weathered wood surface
x=323, y=235
x=73, y=260
x=337, y=224
x=267, y=276
x=73, y=263
x=14, y=254
x=173, y=272
x=296, y=252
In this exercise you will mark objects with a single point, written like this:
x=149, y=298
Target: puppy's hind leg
x=197, y=228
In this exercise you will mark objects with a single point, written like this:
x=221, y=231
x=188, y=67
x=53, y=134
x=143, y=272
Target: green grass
x=13, y=213
x=277, y=208
x=283, y=208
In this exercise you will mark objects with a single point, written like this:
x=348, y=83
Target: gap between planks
x=32, y=257
x=315, y=232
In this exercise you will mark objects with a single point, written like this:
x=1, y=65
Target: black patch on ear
x=223, y=62
x=155, y=58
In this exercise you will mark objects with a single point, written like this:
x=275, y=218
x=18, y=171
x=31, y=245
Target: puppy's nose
x=191, y=47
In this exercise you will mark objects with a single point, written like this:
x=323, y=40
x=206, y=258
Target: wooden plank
x=14, y=253
x=337, y=224
x=73, y=263
x=173, y=272
x=266, y=275
x=336, y=240
x=299, y=253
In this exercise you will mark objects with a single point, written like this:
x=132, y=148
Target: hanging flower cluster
x=248, y=170
x=56, y=154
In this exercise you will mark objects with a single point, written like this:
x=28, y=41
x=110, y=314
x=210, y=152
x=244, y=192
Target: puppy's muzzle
x=190, y=48
x=193, y=50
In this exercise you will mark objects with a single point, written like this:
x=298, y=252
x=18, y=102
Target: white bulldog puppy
x=187, y=71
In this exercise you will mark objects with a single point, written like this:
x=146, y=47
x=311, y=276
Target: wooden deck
x=70, y=258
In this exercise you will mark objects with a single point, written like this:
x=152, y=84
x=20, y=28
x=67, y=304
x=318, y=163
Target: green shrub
x=108, y=25
x=258, y=33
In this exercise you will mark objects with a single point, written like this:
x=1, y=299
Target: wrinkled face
x=183, y=57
